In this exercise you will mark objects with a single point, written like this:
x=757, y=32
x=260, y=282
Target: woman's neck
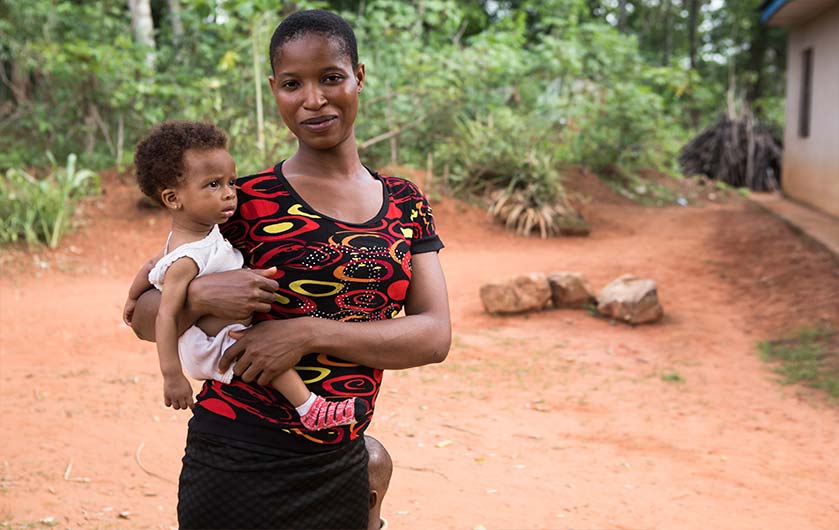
x=341, y=162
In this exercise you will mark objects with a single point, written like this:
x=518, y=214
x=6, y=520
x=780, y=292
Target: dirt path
x=554, y=420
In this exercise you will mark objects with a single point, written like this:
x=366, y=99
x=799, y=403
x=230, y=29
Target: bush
x=40, y=210
x=511, y=158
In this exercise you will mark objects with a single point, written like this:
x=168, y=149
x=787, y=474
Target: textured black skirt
x=231, y=484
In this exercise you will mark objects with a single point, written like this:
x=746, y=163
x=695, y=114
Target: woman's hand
x=268, y=349
x=233, y=295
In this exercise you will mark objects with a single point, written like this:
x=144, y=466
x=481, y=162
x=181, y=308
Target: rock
x=525, y=292
x=630, y=299
x=570, y=290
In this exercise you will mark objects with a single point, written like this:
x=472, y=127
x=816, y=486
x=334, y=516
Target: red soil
x=550, y=420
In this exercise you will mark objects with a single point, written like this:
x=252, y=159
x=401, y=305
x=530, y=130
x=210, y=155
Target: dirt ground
x=551, y=420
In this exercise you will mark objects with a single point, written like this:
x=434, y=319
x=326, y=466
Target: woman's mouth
x=319, y=124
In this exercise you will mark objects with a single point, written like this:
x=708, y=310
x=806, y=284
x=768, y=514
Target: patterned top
x=326, y=268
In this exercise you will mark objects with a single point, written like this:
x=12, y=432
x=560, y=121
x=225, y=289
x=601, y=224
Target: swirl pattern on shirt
x=329, y=269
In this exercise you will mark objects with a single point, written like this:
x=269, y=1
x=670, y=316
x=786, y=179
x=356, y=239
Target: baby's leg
x=292, y=387
x=212, y=325
x=316, y=413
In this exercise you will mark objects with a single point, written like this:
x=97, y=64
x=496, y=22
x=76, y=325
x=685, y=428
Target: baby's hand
x=177, y=392
x=128, y=311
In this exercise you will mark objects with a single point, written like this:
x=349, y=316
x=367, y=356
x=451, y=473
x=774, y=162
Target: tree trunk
x=175, y=19
x=141, y=23
x=622, y=16
x=668, y=31
x=20, y=84
x=693, y=23
x=757, y=53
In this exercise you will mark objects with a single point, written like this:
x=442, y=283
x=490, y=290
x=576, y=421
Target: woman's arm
x=177, y=392
x=423, y=336
x=232, y=295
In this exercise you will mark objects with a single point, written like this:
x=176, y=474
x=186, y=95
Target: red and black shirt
x=326, y=268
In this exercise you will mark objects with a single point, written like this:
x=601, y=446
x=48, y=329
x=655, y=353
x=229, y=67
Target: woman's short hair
x=319, y=22
x=159, y=157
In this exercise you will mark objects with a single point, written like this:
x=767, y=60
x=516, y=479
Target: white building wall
x=810, y=171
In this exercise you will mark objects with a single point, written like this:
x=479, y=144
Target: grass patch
x=810, y=357
x=672, y=377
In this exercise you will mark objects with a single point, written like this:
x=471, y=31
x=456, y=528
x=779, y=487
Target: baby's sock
x=323, y=414
x=304, y=408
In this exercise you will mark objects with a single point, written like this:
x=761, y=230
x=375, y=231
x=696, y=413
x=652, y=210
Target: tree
x=143, y=26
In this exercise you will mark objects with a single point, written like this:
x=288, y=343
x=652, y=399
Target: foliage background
x=503, y=94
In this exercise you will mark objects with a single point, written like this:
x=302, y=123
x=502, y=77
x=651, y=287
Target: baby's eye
x=213, y=185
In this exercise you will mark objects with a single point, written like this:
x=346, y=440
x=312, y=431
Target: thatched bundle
x=741, y=152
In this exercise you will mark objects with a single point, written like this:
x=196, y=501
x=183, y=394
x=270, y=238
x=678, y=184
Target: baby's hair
x=318, y=22
x=159, y=157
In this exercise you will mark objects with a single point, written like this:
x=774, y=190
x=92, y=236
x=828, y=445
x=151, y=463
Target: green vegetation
x=672, y=377
x=500, y=95
x=40, y=209
x=809, y=356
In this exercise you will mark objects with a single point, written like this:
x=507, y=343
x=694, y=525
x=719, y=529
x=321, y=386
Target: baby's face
x=208, y=189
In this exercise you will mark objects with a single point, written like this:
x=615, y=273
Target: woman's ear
x=374, y=498
x=359, y=77
x=170, y=199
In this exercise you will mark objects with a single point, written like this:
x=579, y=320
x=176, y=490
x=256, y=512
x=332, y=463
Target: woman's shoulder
x=265, y=184
x=269, y=173
x=400, y=187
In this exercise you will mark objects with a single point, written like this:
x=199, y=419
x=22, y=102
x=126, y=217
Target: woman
x=349, y=246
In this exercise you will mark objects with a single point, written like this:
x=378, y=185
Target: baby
x=186, y=168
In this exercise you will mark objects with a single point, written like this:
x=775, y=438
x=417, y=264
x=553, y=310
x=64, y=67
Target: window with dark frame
x=806, y=93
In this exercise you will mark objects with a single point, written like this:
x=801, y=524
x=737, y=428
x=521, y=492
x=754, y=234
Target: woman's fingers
x=263, y=307
x=232, y=353
x=266, y=377
x=251, y=373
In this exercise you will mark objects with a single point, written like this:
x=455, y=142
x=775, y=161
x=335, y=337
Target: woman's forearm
x=145, y=315
x=232, y=294
x=406, y=342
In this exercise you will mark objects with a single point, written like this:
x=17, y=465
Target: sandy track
x=553, y=420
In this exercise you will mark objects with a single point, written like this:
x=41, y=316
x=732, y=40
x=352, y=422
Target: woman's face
x=316, y=90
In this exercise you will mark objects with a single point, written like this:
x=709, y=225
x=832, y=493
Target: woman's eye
x=290, y=84
x=333, y=78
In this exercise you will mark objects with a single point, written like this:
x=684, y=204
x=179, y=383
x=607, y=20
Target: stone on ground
x=570, y=290
x=522, y=293
x=630, y=299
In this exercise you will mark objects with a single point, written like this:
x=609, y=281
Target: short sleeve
x=158, y=272
x=424, y=236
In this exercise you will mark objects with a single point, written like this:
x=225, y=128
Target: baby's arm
x=138, y=287
x=177, y=392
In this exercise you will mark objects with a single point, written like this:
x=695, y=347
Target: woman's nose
x=313, y=98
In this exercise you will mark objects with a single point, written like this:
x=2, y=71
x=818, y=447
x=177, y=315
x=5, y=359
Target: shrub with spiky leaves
x=40, y=209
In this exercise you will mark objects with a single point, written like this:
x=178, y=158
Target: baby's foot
x=324, y=414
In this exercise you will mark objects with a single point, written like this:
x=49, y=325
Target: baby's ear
x=170, y=199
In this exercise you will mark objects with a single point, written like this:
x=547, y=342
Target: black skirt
x=231, y=484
